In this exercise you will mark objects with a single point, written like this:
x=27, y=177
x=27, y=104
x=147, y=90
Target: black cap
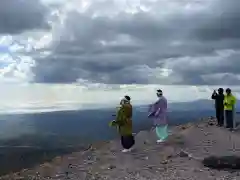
x=220, y=90
x=228, y=90
x=127, y=98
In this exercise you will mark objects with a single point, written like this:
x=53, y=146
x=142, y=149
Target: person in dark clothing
x=219, y=105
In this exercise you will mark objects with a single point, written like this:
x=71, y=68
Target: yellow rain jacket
x=229, y=102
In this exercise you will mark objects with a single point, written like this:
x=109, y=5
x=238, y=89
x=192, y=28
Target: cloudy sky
x=61, y=43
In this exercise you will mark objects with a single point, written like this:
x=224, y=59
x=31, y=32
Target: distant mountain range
x=202, y=104
x=92, y=122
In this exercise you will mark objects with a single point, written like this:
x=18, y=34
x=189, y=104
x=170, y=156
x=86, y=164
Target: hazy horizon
x=45, y=97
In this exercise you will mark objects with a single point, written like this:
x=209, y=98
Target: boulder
x=222, y=162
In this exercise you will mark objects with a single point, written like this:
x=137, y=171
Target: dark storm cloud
x=215, y=65
x=196, y=47
x=224, y=24
x=17, y=16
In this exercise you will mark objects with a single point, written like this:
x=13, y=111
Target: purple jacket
x=158, y=111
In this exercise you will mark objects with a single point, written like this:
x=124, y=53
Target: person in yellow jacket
x=123, y=123
x=229, y=107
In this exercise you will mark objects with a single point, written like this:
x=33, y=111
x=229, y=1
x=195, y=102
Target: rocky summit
x=186, y=155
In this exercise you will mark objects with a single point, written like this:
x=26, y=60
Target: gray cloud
x=223, y=24
x=17, y=16
x=191, y=43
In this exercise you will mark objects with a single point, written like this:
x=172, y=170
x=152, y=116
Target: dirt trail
x=148, y=161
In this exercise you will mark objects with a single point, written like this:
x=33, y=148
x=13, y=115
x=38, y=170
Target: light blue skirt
x=162, y=132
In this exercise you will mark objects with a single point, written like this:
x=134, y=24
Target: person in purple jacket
x=158, y=112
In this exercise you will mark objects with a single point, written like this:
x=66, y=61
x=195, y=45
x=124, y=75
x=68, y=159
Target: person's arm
x=224, y=101
x=234, y=100
x=152, y=107
x=120, y=117
x=128, y=111
x=151, y=110
x=214, y=95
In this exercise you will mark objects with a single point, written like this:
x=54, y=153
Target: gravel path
x=149, y=161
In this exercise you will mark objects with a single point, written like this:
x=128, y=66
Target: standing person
x=124, y=124
x=229, y=107
x=158, y=111
x=219, y=98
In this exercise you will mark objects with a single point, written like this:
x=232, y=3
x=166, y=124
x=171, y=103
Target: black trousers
x=229, y=119
x=127, y=141
x=220, y=116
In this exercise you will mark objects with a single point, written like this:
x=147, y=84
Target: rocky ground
x=178, y=158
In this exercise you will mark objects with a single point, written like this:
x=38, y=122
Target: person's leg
x=127, y=142
x=230, y=114
x=233, y=117
x=122, y=142
x=162, y=133
x=221, y=117
x=218, y=116
x=227, y=119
